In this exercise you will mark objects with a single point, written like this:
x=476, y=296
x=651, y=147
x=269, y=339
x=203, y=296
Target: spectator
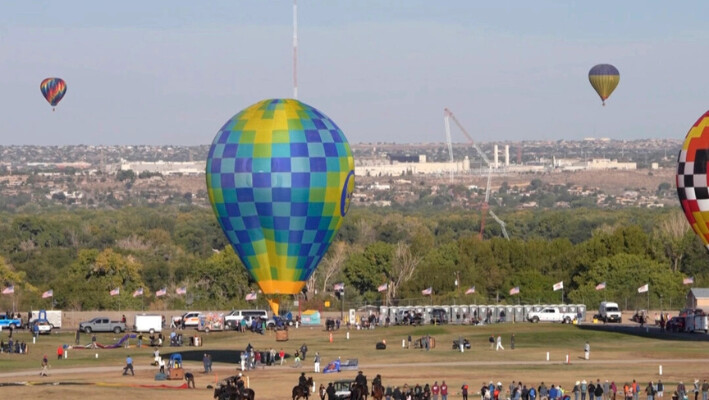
x=129, y=366
x=45, y=366
x=60, y=352
x=189, y=377
x=444, y=391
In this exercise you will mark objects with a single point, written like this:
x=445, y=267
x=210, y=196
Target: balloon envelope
x=280, y=176
x=692, y=177
x=53, y=89
x=604, y=78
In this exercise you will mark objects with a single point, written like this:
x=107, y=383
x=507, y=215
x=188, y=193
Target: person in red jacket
x=435, y=390
x=464, y=391
x=444, y=391
x=60, y=352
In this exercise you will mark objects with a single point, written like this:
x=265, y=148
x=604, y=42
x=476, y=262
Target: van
x=147, y=323
x=233, y=319
x=609, y=312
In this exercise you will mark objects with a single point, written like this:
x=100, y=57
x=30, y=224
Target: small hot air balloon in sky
x=280, y=176
x=692, y=184
x=53, y=89
x=604, y=78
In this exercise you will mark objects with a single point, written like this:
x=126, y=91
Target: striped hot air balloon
x=604, y=78
x=280, y=175
x=53, y=89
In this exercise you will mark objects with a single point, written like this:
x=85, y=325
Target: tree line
x=82, y=254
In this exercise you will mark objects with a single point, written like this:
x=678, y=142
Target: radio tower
x=295, y=50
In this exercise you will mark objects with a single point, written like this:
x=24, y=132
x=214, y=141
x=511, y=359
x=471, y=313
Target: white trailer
x=149, y=323
x=54, y=317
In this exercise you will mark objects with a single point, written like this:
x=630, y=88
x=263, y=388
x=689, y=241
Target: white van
x=609, y=312
x=233, y=319
x=149, y=323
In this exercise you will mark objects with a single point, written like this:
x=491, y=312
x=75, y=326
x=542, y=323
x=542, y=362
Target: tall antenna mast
x=295, y=50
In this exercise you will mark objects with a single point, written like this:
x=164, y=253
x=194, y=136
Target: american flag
x=181, y=290
x=644, y=288
x=161, y=292
x=138, y=292
x=9, y=290
x=338, y=286
x=383, y=287
x=601, y=286
x=251, y=296
x=115, y=292
x=49, y=293
x=688, y=281
x=427, y=292
x=514, y=290
x=471, y=290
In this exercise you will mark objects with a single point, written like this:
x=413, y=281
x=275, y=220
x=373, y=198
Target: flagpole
x=562, y=294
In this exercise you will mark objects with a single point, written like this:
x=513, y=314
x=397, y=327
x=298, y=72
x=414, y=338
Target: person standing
x=591, y=391
x=614, y=390
x=45, y=366
x=464, y=391
x=444, y=391
x=586, y=350
x=606, y=390
x=435, y=390
x=205, y=362
x=60, y=352
x=317, y=363
x=499, y=343
x=650, y=391
x=304, y=351
x=282, y=355
x=129, y=366
x=660, y=389
x=681, y=390
x=296, y=359
x=512, y=342
x=492, y=342
x=140, y=340
x=695, y=389
x=576, y=389
x=599, y=390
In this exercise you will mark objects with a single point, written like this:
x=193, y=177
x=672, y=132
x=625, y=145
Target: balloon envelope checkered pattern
x=280, y=176
x=691, y=179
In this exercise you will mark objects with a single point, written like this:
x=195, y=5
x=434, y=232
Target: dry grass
x=613, y=357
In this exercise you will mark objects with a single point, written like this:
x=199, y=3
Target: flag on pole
x=514, y=290
x=338, y=287
x=251, y=296
x=181, y=290
x=9, y=290
x=644, y=288
x=558, y=286
x=138, y=292
x=383, y=287
x=161, y=292
x=49, y=293
x=427, y=292
x=688, y=281
x=471, y=290
x=115, y=292
x=601, y=286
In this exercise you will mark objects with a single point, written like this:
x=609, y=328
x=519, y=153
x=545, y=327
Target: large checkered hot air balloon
x=604, y=78
x=692, y=184
x=280, y=176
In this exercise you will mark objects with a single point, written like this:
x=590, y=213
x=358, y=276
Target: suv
x=234, y=318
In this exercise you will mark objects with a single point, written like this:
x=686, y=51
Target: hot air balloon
x=692, y=185
x=604, y=78
x=280, y=175
x=53, y=89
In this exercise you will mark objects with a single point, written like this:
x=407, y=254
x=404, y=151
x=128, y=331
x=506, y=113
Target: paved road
x=232, y=369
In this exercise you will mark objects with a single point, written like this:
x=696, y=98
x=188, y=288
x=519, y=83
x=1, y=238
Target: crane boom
x=502, y=224
x=450, y=145
x=448, y=114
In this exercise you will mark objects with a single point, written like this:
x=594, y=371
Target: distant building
x=164, y=167
x=698, y=298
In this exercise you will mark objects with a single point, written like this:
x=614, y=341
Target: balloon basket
x=282, y=336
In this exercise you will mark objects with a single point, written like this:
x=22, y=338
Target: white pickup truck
x=551, y=314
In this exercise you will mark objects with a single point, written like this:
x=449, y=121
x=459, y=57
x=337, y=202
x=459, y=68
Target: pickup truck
x=551, y=314
x=102, y=324
x=6, y=322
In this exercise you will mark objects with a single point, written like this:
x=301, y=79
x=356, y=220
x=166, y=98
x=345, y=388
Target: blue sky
x=172, y=72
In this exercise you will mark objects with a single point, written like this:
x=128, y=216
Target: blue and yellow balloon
x=604, y=78
x=280, y=176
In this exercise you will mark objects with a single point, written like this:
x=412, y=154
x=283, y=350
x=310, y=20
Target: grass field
x=616, y=357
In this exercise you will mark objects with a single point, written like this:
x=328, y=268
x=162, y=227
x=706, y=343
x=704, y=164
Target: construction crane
x=502, y=224
x=448, y=115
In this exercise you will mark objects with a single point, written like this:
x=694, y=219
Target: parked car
x=102, y=324
x=342, y=388
x=551, y=314
x=43, y=327
x=675, y=324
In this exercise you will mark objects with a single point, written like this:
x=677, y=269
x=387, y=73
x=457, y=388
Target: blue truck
x=7, y=322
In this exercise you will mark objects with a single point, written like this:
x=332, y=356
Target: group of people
x=496, y=344
x=13, y=346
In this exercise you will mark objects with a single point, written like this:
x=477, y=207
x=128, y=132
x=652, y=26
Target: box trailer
x=54, y=317
x=149, y=323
